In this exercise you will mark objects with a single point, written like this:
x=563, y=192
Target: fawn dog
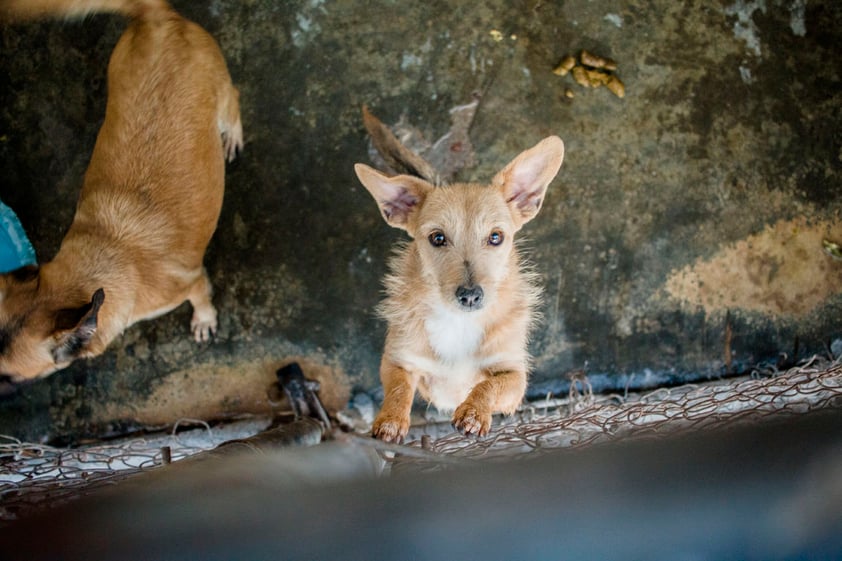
x=150, y=199
x=458, y=304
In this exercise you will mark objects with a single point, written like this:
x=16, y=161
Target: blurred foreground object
x=769, y=491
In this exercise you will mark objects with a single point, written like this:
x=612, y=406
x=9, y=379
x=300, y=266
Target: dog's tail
x=397, y=156
x=24, y=10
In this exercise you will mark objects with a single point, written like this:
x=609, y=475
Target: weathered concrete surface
x=703, y=195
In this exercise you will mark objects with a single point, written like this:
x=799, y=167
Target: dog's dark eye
x=437, y=239
x=496, y=238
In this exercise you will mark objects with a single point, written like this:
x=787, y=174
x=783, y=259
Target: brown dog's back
x=175, y=178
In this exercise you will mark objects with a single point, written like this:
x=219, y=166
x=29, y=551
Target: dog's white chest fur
x=449, y=376
x=454, y=335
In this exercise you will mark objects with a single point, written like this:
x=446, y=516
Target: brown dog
x=459, y=305
x=150, y=201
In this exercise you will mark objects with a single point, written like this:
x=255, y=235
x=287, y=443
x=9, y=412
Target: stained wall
x=683, y=237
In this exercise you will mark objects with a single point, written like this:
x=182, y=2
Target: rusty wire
x=585, y=419
x=33, y=476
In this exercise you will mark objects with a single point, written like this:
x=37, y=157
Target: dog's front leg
x=499, y=392
x=204, y=322
x=392, y=423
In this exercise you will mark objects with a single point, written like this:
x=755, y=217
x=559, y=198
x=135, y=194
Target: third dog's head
x=41, y=330
x=464, y=232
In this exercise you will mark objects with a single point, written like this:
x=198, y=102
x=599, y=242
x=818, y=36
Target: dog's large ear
x=397, y=156
x=75, y=327
x=525, y=180
x=398, y=197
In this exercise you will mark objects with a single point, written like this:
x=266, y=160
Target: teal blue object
x=15, y=249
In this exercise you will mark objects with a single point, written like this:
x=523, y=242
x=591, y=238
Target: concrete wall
x=700, y=199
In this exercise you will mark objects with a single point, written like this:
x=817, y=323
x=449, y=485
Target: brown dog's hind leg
x=230, y=125
x=500, y=392
x=203, y=325
x=392, y=423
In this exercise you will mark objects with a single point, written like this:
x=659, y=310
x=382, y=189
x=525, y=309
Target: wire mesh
x=585, y=419
x=34, y=476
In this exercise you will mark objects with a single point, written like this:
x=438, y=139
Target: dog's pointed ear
x=398, y=197
x=75, y=328
x=525, y=180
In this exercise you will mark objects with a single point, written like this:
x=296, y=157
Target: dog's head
x=38, y=335
x=465, y=232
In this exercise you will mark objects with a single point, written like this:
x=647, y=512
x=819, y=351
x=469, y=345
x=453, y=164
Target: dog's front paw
x=390, y=429
x=469, y=419
x=203, y=325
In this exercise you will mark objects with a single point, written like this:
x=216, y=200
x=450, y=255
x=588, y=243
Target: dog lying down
x=459, y=304
x=150, y=200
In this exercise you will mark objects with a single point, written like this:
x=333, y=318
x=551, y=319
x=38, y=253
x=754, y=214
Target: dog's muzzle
x=469, y=297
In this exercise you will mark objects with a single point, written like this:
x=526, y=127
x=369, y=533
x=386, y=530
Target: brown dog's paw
x=232, y=141
x=203, y=331
x=203, y=325
x=468, y=419
x=390, y=429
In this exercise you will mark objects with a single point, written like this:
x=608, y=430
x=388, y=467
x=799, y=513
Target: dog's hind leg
x=204, y=320
x=230, y=125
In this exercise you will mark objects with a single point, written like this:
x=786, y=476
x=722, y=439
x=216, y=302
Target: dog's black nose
x=469, y=297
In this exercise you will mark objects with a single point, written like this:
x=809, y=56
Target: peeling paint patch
x=781, y=271
x=797, y=21
x=308, y=27
x=614, y=19
x=745, y=28
x=215, y=8
x=409, y=60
